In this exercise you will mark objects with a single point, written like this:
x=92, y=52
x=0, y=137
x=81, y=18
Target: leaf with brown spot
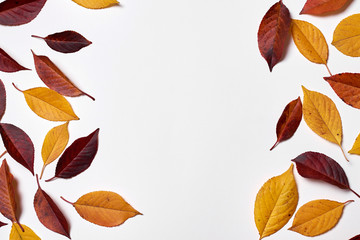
x=273, y=32
x=318, y=7
x=8, y=64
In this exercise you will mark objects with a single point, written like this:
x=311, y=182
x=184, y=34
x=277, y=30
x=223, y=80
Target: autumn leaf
x=48, y=104
x=55, y=79
x=8, y=64
x=49, y=213
x=322, y=116
x=275, y=203
x=310, y=41
x=357, y=237
x=289, y=121
x=18, y=144
x=77, y=157
x=96, y=4
x=319, y=166
x=7, y=194
x=346, y=37
x=54, y=144
x=66, y=41
x=15, y=12
x=273, y=32
x=17, y=234
x=347, y=87
x=104, y=208
x=318, y=7
x=356, y=146
x=2, y=99
x=317, y=217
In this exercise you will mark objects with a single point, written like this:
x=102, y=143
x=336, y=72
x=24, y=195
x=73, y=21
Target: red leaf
x=77, y=157
x=7, y=194
x=2, y=224
x=347, y=87
x=289, y=121
x=357, y=237
x=273, y=31
x=319, y=166
x=49, y=213
x=8, y=64
x=66, y=42
x=2, y=99
x=318, y=7
x=55, y=79
x=18, y=144
x=17, y=12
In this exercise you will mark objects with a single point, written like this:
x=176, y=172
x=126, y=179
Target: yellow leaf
x=54, y=144
x=346, y=36
x=17, y=234
x=104, y=208
x=356, y=147
x=317, y=217
x=275, y=203
x=310, y=41
x=48, y=104
x=96, y=4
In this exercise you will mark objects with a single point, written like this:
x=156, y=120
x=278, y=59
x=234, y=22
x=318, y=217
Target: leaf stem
x=342, y=150
x=21, y=227
x=277, y=142
x=16, y=87
x=3, y=154
x=34, y=36
x=66, y=200
x=347, y=202
x=354, y=193
x=50, y=179
x=328, y=69
x=92, y=98
x=42, y=171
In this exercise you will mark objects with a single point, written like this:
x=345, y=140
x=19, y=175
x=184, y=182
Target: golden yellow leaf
x=346, y=36
x=275, y=203
x=96, y=4
x=54, y=144
x=310, y=41
x=356, y=147
x=104, y=208
x=322, y=116
x=17, y=234
x=48, y=104
x=317, y=217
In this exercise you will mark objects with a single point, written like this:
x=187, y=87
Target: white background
x=187, y=111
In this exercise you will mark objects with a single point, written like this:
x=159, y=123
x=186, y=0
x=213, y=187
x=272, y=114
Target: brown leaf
x=55, y=79
x=273, y=32
x=2, y=99
x=49, y=213
x=318, y=7
x=8, y=64
x=289, y=121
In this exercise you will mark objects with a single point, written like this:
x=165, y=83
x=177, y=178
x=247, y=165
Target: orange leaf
x=318, y=7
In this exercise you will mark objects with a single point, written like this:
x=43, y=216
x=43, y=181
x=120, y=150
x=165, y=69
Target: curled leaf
x=15, y=12
x=289, y=121
x=318, y=7
x=96, y=4
x=2, y=99
x=48, y=104
x=273, y=31
x=55, y=79
x=26, y=234
x=317, y=217
x=8, y=64
x=66, y=41
x=77, y=157
x=18, y=144
x=104, y=208
x=275, y=203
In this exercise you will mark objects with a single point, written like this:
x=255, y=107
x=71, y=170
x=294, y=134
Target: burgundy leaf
x=2, y=224
x=49, y=213
x=8, y=64
x=66, y=42
x=17, y=12
x=77, y=157
x=273, y=31
x=18, y=144
x=357, y=237
x=319, y=166
x=55, y=79
x=2, y=99
x=289, y=121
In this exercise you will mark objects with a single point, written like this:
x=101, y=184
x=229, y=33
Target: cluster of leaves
x=103, y=208
x=277, y=200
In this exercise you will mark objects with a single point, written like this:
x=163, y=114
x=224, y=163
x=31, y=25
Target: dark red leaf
x=2, y=99
x=49, y=213
x=66, y=42
x=55, y=79
x=8, y=64
x=273, y=32
x=357, y=237
x=18, y=144
x=318, y=7
x=77, y=157
x=7, y=194
x=17, y=12
x=2, y=224
x=289, y=121
x=319, y=166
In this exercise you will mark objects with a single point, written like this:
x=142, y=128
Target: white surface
x=187, y=111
